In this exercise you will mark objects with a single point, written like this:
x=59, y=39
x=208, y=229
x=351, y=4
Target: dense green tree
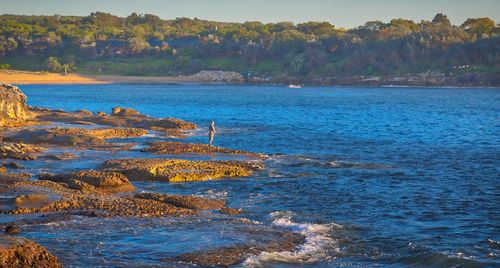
x=53, y=64
x=102, y=42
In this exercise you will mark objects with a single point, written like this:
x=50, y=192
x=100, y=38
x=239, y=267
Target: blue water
x=372, y=176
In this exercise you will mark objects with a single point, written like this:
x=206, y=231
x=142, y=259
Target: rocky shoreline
x=31, y=134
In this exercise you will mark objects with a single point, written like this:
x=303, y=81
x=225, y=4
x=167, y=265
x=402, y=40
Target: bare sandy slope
x=24, y=77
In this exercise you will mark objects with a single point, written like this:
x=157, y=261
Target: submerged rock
x=231, y=255
x=20, y=151
x=13, y=108
x=231, y=211
x=12, y=229
x=60, y=157
x=170, y=147
x=21, y=252
x=102, y=180
x=31, y=201
x=176, y=170
x=13, y=165
x=184, y=201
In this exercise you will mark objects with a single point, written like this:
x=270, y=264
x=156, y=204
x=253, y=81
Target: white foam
x=318, y=245
x=150, y=135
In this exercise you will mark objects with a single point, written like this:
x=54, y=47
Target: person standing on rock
x=211, y=133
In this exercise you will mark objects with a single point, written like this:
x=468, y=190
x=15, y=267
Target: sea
x=372, y=177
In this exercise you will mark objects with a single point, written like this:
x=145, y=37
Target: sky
x=341, y=13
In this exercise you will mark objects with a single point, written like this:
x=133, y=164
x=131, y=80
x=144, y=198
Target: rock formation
x=20, y=151
x=174, y=148
x=75, y=136
x=184, y=201
x=13, y=108
x=21, y=252
x=47, y=196
x=102, y=180
x=177, y=170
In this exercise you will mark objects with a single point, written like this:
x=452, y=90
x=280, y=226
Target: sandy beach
x=27, y=78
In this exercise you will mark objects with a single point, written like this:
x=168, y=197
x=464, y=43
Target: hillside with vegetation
x=312, y=52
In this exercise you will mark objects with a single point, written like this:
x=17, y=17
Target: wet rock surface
x=179, y=148
x=100, y=204
x=60, y=157
x=177, y=170
x=9, y=178
x=75, y=136
x=12, y=229
x=21, y=252
x=106, y=181
x=15, y=165
x=184, y=201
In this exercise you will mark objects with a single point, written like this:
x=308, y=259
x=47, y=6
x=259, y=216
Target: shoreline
x=46, y=78
x=19, y=77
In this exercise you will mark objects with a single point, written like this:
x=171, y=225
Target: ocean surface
x=373, y=177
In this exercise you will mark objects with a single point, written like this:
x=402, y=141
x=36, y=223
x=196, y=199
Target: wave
x=214, y=194
x=442, y=259
x=150, y=135
x=300, y=161
x=318, y=245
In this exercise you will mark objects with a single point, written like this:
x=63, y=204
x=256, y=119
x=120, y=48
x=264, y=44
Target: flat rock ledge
x=190, y=202
x=120, y=117
x=21, y=252
x=176, y=170
x=47, y=196
x=106, y=181
x=179, y=148
x=75, y=136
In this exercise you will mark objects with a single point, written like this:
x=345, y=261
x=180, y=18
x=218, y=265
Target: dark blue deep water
x=372, y=176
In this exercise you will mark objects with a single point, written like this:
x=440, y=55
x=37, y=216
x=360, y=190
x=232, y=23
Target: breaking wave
x=318, y=245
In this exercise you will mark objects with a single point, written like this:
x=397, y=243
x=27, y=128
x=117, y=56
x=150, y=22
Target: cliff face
x=13, y=108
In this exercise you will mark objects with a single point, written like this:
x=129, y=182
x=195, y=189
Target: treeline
x=147, y=45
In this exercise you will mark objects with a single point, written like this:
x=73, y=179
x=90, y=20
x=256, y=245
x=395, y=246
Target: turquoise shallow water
x=371, y=176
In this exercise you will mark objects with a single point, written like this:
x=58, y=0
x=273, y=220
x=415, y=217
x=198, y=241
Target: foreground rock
x=20, y=151
x=170, y=147
x=175, y=170
x=104, y=181
x=231, y=255
x=47, y=196
x=13, y=108
x=21, y=252
x=10, y=178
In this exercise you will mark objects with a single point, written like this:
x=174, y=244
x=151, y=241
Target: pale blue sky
x=342, y=13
